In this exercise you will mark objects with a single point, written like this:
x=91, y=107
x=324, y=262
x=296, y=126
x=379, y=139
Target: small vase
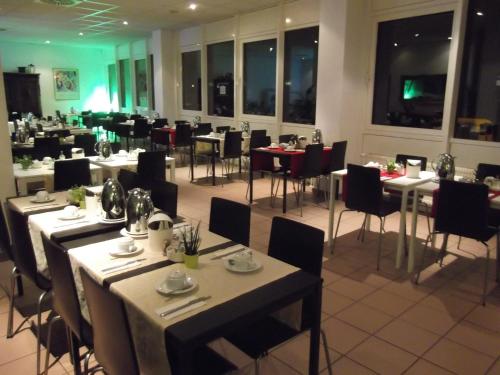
x=191, y=261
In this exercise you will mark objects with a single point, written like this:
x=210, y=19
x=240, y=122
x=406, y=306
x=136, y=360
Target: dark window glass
x=141, y=83
x=410, y=73
x=259, y=78
x=152, y=83
x=112, y=84
x=220, y=71
x=125, y=89
x=478, y=111
x=191, y=80
x=301, y=69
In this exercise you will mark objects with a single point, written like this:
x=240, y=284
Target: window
x=141, y=83
x=191, y=81
x=220, y=71
x=301, y=69
x=478, y=111
x=125, y=88
x=112, y=86
x=259, y=78
x=411, y=69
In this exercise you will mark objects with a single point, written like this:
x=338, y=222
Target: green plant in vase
x=26, y=161
x=191, y=240
x=76, y=196
x=391, y=166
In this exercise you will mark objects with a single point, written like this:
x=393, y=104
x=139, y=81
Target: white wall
x=91, y=63
x=7, y=188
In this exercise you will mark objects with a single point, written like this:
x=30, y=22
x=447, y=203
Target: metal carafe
x=445, y=167
x=139, y=209
x=103, y=148
x=245, y=128
x=317, y=137
x=160, y=231
x=113, y=200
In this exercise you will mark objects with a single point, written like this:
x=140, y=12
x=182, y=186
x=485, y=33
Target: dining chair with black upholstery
x=140, y=130
x=112, y=339
x=182, y=137
x=123, y=131
x=25, y=265
x=203, y=128
x=258, y=133
x=66, y=304
x=299, y=245
x=285, y=138
x=46, y=146
x=87, y=142
x=160, y=123
x=222, y=129
x=232, y=151
x=70, y=173
x=364, y=193
x=484, y=170
x=128, y=180
x=164, y=197
x=136, y=116
x=462, y=210
x=160, y=137
x=151, y=166
x=336, y=163
x=230, y=219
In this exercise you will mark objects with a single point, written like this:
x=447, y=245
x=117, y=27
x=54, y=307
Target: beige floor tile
x=382, y=357
x=296, y=354
x=371, y=276
x=351, y=288
x=334, y=302
x=458, y=358
x=341, y=266
x=27, y=365
x=423, y=367
x=387, y=302
x=341, y=336
x=476, y=337
x=486, y=317
x=407, y=289
x=20, y=345
x=443, y=301
x=231, y=353
x=3, y=322
x=408, y=337
x=364, y=317
x=495, y=369
x=329, y=277
x=432, y=320
x=346, y=366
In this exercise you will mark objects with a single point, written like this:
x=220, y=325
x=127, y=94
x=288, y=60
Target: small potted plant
x=26, y=161
x=76, y=196
x=391, y=167
x=191, y=239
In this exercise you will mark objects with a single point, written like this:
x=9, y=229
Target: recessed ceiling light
x=479, y=13
x=417, y=35
x=288, y=20
x=193, y=6
x=395, y=44
x=80, y=33
x=125, y=22
x=47, y=42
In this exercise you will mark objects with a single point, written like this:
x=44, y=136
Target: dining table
x=230, y=299
x=395, y=182
x=262, y=159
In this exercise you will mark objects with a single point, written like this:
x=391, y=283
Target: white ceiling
x=101, y=22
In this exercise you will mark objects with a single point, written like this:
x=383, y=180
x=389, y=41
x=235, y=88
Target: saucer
x=34, y=200
x=111, y=221
x=191, y=283
x=125, y=233
x=67, y=218
x=125, y=254
x=253, y=266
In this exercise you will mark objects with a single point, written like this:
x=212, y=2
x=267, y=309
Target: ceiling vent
x=64, y=3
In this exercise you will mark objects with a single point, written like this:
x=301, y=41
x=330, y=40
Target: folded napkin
x=120, y=266
x=164, y=311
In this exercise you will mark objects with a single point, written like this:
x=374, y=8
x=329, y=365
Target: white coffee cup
x=176, y=279
x=243, y=259
x=122, y=153
x=126, y=244
x=212, y=134
x=42, y=196
x=70, y=211
x=274, y=145
x=37, y=163
x=47, y=160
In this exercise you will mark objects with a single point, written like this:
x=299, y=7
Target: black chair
x=70, y=173
x=123, y=131
x=402, y=159
x=25, y=265
x=299, y=245
x=151, y=166
x=181, y=122
x=232, y=150
x=203, y=128
x=485, y=170
x=336, y=163
x=164, y=197
x=462, y=210
x=222, y=129
x=87, y=142
x=160, y=123
x=182, y=137
x=140, y=130
x=136, y=117
x=160, y=137
x=128, y=179
x=365, y=194
x=230, y=219
x=258, y=133
x=66, y=304
x=285, y=138
x=112, y=339
x=87, y=120
x=46, y=146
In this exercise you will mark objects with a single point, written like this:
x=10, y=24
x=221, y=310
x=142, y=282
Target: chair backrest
x=204, y=128
x=5, y=243
x=135, y=117
x=164, y=196
x=222, y=129
x=46, y=146
x=128, y=179
x=337, y=156
x=151, y=165
x=223, y=214
x=87, y=142
x=364, y=190
x=462, y=209
x=160, y=137
x=486, y=170
x=301, y=246
x=69, y=173
x=65, y=297
x=232, y=144
x=181, y=122
x=182, y=135
x=401, y=159
x=141, y=128
x=113, y=344
x=312, y=160
x=160, y=123
x=258, y=133
x=259, y=141
x=285, y=138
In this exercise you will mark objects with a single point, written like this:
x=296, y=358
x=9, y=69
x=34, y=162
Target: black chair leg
x=327, y=353
x=379, y=243
x=486, y=266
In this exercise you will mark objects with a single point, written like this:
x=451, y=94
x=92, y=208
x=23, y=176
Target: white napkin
x=120, y=266
x=175, y=305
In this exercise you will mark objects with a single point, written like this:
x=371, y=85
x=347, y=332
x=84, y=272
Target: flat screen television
x=423, y=88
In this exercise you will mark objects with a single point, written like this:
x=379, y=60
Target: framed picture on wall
x=66, y=84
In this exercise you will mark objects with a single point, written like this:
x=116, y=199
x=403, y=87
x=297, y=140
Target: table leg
x=250, y=177
x=22, y=187
x=331, y=204
x=402, y=228
x=314, y=342
x=191, y=157
x=98, y=177
x=171, y=163
x=213, y=164
x=413, y=238
x=284, y=192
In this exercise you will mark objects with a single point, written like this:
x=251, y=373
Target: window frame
x=201, y=49
x=205, y=81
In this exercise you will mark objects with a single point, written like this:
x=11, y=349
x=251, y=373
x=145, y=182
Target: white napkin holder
x=77, y=153
x=413, y=168
x=160, y=231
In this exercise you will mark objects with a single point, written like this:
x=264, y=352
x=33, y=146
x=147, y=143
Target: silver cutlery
x=227, y=254
x=183, y=306
x=43, y=205
x=112, y=268
x=73, y=223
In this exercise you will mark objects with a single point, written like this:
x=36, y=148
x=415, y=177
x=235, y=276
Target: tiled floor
x=376, y=322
